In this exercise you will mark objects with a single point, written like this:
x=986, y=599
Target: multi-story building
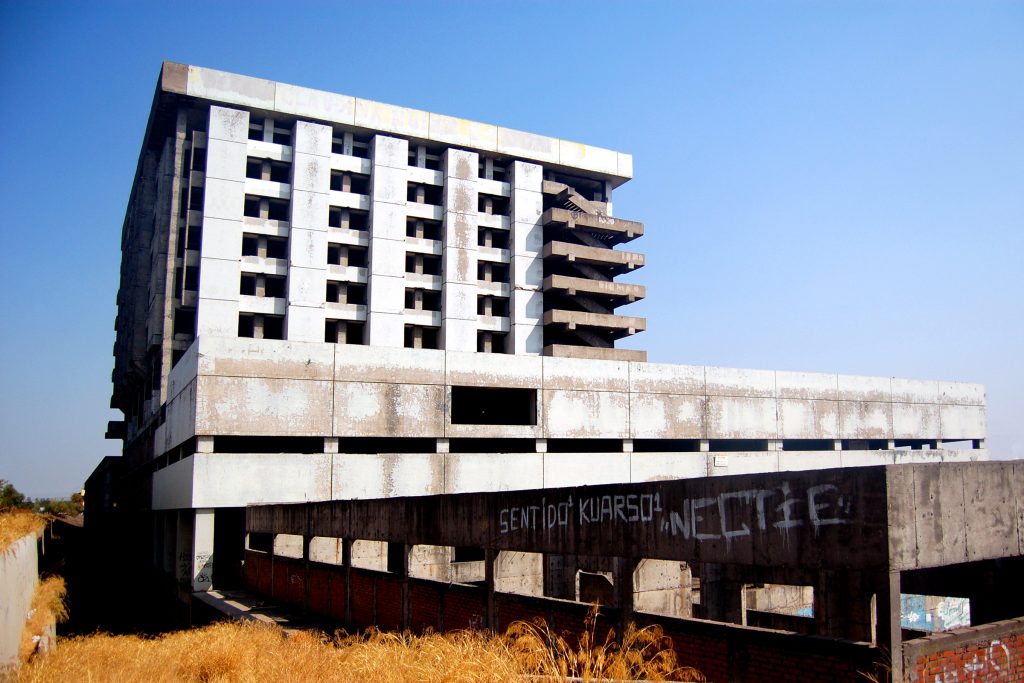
x=325, y=297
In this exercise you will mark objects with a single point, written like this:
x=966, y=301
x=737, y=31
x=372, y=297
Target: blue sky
x=828, y=186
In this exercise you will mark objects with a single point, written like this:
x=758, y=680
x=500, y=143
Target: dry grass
x=15, y=524
x=48, y=607
x=249, y=652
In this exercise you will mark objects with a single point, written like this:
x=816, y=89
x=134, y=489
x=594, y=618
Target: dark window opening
x=252, y=206
x=268, y=444
x=808, y=444
x=255, y=130
x=280, y=173
x=282, y=136
x=247, y=285
x=179, y=281
x=429, y=300
x=277, y=247
x=492, y=305
x=474, y=445
x=486, y=271
x=199, y=159
x=275, y=287
x=467, y=554
x=494, y=406
x=195, y=199
x=254, y=168
x=491, y=342
x=419, y=337
x=194, y=238
x=278, y=209
x=273, y=327
x=584, y=445
x=250, y=245
x=246, y=325
x=495, y=239
x=737, y=445
x=261, y=542
x=498, y=205
x=343, y=332
x=192, y=278
x=666, y=445
x=184, y=321
x=386, y=445
x=397, y=558
x=361, y=148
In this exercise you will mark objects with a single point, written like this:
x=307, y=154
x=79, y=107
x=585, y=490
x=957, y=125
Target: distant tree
x=10, y=497
x=70, y=506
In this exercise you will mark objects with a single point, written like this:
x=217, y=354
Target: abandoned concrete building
x=328, y=298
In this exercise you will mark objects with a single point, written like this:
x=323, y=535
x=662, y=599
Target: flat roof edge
x=248, y=91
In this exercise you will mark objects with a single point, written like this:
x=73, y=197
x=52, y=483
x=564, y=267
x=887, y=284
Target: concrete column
x=346, y=559
x=622, y=579
x=307, y=240
x=490, y=615
x=386, y=268
x=722, y=597
x=560, y=576
x=526, y=246
x=888, y=632
x=406, y=614
x=459, y=260
x=183, y=547
x=202, y=550
x=223, y=206
x=843, y=605
x=204, y=444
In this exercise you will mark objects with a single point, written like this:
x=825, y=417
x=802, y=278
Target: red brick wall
x=722, y=652
x=989, y=652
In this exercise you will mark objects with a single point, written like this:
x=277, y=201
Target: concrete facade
x=325, y=298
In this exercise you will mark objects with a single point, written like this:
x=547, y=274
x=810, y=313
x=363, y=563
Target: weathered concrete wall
x=19, y=575
x=285, y=388
x=990, y=652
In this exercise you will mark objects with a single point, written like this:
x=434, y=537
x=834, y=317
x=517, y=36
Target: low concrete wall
x=19, y=575
x=989, y=652
x=723, y=652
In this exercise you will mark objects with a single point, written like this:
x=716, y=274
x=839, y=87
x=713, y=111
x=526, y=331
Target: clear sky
x=832, y=186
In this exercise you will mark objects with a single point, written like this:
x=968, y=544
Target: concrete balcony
x=617, y=292
x=617, y=261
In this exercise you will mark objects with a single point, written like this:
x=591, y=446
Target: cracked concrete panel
x=962, y=393
x=210, y=84
x=230, y=125
x=389, y=410
x=914, y=390
x=858, y=388
x=460, y=196
x=463, y=132
x=224, y=199
x=263, y=406
x=387, y=117
x=311, y=173
x=306, y=288
x=493, y=370
x=662, y=466
x=739, y=382
x=666, y=379
x=172, y=486
x=307, y=249
x=586, y=156
x=517, y=143
x=808, y=419
x=962, y=422
x=865, y=420
x=808, y=460
x=810, y=385
x=585, y=469
x=226, y=160
x=238, y=479
x=468, y=472
x=733, y=417
x=265, y=358
x=310, y=211
x=666, y=416
x=389, y=185
x=915, y=421
x=317, y=104
x=384, y=475
x=221, y=239
x=580, y=373
x=585, y=414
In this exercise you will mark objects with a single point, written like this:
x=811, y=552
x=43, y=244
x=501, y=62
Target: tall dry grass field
x=242, y=652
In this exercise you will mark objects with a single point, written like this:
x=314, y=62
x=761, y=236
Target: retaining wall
x=19, y=575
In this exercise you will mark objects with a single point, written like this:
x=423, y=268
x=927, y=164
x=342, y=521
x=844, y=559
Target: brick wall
x=989, y=652
x=723, y=652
